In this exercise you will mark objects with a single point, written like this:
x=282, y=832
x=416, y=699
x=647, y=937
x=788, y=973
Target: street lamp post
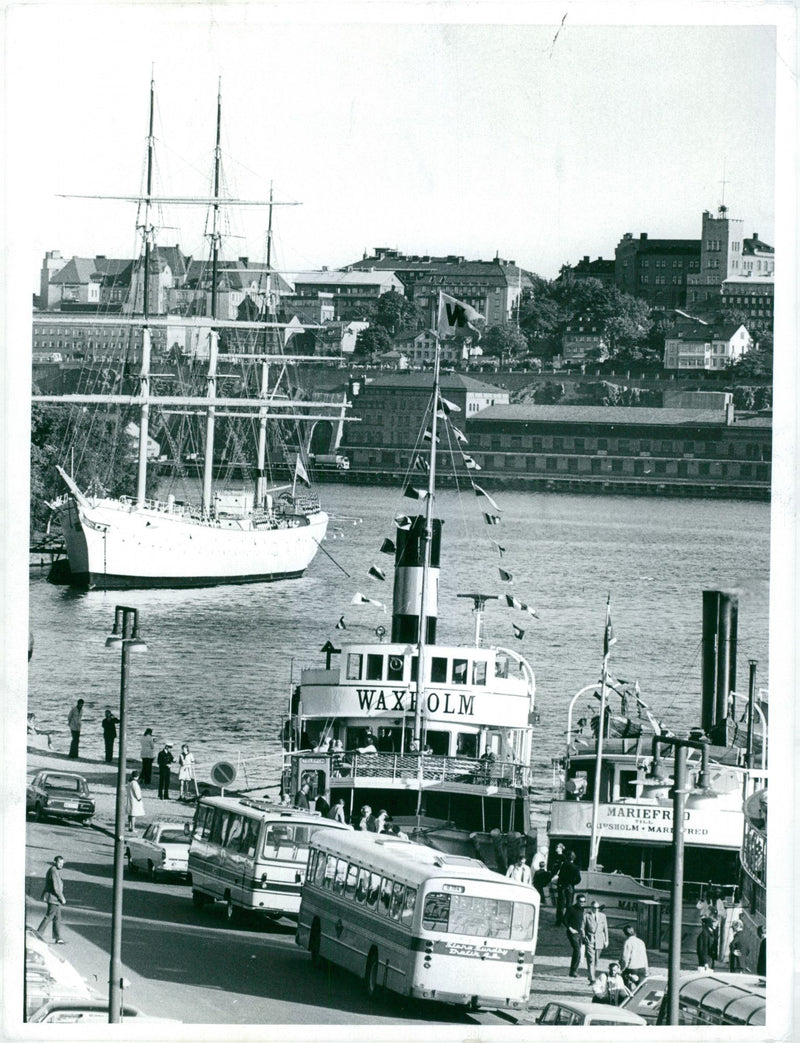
x=125, y=634
x=679, y=800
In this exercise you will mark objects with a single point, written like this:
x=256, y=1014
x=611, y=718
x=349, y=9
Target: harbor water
x=220, y=662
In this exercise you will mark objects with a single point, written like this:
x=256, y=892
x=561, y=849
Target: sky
x=538, y=142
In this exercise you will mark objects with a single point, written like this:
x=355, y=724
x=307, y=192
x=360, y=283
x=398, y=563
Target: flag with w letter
x=457, y=319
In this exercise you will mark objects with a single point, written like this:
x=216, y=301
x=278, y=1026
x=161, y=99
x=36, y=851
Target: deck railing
x=392, y=767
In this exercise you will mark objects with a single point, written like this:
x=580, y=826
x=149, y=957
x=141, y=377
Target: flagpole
x=426, y=562
x=594, y=843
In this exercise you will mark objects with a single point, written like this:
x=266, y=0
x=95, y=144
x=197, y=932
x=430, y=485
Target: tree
x=540, y=316
x=374, y=340
x=503, y=342
x=394, y=312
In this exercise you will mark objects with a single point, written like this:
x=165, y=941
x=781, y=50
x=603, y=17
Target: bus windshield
x=485, y=917
x=287, y=842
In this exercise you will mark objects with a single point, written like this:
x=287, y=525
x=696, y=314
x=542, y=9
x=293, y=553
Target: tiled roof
x=448, y=381
x=76, y=270
x=756, y=246
x=609, y=415
x=338, y=278
x=448, y=268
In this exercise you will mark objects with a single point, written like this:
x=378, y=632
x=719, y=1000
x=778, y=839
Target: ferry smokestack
x=409, y=559
x=720, y=630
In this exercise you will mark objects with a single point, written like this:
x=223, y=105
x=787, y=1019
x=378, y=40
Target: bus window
x=250, y=837
x=350, y=883
x=363, y=884
x=202, y=826
x=235, y=831
x=522, y=922
x=330, y=871
x=285, y=842
x=353, y=666
x=479, y=671
x=374, y=889
x=436, y=914
x=438, y=670
x=397, y=901
x=319, y=869
x=341, y=873
x=386, y=895
x=460, y=671
x=408, y=905
x=218, y=826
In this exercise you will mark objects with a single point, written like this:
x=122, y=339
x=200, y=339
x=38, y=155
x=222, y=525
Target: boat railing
x=392, y=767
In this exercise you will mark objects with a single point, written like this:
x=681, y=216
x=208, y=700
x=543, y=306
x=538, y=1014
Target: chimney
x=585, y=258
x=755, y=236
x=643, y=235
x=720, y=632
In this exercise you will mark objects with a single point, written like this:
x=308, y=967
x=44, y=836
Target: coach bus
x=417, y=921
x=252, y=854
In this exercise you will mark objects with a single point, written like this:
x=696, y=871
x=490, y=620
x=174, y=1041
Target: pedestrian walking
x=53, y=895
x=569, y=876
x=520, y=870
x=541, y=878
x=301, y=797
x=706, y=946
x=573, y=921
x=109, y=725
x=337, y=811
x=595, y=937
x=148, y=756
x=322, y=804
x=134, y=807
x=634, y=958
x=557, y=859
x=74, y=720
x=164, y=760
x=186, y=774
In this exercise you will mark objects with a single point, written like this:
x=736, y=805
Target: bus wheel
x=198, y=899
x=314, y=943
x=371, y=975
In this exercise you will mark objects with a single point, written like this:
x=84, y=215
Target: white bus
x=417, y=921
x=251, y=854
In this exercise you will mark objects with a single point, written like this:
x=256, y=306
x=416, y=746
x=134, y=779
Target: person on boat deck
x=385, y=740
x=305, y=741
x=301, y=797
x=324, y=746
x=109, y=726
x=520, y=870
x=380, y=821
x=337, y=811
x=573, y=921
x=366, y=821
x=595, y=937
x=322, y=804
x=413, y=746
x=569, y=876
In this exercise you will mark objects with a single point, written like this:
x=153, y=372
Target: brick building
x=656, y=269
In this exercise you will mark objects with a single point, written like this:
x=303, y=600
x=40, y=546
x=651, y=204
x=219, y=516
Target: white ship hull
x=113, y=544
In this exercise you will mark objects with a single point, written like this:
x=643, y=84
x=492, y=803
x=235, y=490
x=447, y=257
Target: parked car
x=162, y=848
x=64, y=1012
x=567, y=1012
x=703, y=999
x=59, y=794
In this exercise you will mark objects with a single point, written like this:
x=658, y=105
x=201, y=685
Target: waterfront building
x=492, y=287
x=656, y=269
x=390, y=409
x=706, y=347
x=352, y=293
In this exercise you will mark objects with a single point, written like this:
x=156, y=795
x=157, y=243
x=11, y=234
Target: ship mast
x=261, y=477
x=427, y=538
x=208, y=460
x=144, y=372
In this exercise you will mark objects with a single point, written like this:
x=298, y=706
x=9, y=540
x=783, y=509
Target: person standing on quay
x=134, y=807
x=322, y=804
x=148, y=756
x=185, y=771
x=164, y=759
x=706, y=946
x=520, y=870
x=573, y=921
x=569, y=876
x=634, y=957
x=301, y=797
x=53, y=894
x=595, y=937
x=74, y=719
x=110, y=723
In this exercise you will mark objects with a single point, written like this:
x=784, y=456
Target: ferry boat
x=437, y=735
x=753, y=862
x=622, y=828
x=269, y=533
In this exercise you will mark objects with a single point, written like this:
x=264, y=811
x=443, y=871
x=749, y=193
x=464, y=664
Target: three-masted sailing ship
x=269, y=533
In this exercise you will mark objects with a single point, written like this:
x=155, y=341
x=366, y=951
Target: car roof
x=171, y=823
x=596, y=1011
